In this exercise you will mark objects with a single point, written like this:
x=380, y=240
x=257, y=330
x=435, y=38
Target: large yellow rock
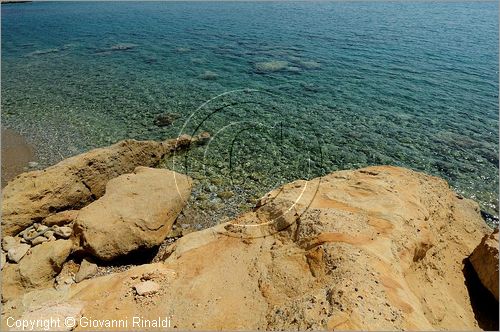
x=136, y=212
x=76, y=181
x=380, y=248
x=36, y=269
x=484, y=259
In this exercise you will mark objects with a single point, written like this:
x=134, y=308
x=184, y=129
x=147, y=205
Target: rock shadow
x=483, y=303
x=137, y=257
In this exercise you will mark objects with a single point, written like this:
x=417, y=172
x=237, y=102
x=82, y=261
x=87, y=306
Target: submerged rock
x=182, y=49
x=123, y=47
x=484, y=259
x=43, y=52
x=225, y=194
x=310, y=64
x=33, y=164
x=116, y=47
x=271, y=66
x=209, y=75
x=137, y=212
x=166, y=119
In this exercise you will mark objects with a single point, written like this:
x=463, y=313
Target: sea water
x=288, y=90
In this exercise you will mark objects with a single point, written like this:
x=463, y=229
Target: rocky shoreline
x=98, y=235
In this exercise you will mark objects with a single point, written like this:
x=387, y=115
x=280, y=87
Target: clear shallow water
x=319, y=87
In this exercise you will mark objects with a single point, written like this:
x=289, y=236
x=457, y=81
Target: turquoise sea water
x=295, y=89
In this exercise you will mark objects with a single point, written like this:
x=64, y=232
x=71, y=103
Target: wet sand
x=16, y=153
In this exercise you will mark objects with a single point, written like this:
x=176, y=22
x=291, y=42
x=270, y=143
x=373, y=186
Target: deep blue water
x=321, y=86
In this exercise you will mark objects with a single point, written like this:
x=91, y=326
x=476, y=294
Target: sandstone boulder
x=44, y=263
x=137, y=212
x=37, y=269
x=484, y=259
x=60, y=219
x=380, y=248
x=77, y=181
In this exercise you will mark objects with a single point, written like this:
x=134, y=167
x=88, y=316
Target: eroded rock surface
x=77, y=181
x=379, y=248
x=37, y=269
x=484, y=259
x=137, y=212
x=60, y=219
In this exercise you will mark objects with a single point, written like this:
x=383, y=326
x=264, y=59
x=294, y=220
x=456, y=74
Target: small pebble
x=146, y=288
x=15, y=254
x=39, y=240
x=64, y=232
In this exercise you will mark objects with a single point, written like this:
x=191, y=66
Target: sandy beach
x=16, y=154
